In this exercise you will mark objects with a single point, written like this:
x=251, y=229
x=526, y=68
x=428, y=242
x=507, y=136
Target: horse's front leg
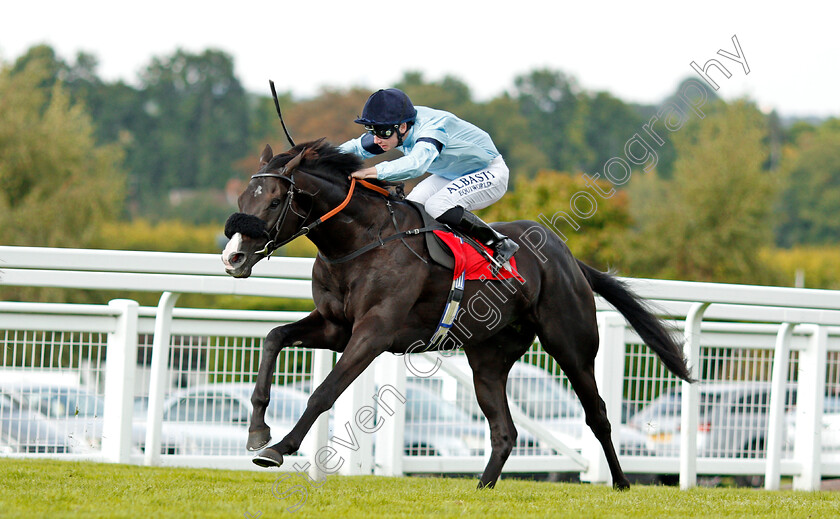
x=368, y=341
x=313, y=331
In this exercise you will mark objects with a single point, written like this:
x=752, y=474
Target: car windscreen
x=543, y=398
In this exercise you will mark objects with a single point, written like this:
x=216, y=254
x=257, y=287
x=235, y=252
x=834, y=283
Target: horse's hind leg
x=490, y=373
x=313, y=331
x=573, y=345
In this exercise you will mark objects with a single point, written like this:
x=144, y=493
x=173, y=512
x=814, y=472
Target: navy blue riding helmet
x=385, y=110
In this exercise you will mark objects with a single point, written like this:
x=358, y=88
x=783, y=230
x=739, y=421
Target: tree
x=591, y=224
x=330, y=114
x=57, y=186
x=610, y=122
x=503, y=120
x=709, y=222
x=197, y=116
x=556, y=111
x=666, y=152
x=500, y=117
x=810, y=204
x=450, y=94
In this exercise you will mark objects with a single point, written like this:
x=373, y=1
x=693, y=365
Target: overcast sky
x=638, y=51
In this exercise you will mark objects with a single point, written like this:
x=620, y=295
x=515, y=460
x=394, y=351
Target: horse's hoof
x=268, y=458
x=258, y=439
x=622, y=485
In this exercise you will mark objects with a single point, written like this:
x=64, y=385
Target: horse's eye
x=275, y=203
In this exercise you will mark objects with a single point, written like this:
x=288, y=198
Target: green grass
x=30, y=488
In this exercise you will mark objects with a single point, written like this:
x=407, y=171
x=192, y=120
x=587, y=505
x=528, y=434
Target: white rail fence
x=781, y=344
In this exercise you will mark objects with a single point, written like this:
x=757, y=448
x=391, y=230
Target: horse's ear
x=266, y=155
x=311, y=153
x=295, y=162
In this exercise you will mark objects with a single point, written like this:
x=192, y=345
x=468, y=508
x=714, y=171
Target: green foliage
x=556, y=111
x=450, y=94
x=549, y=198
x=820, y=265
x=500, y=117
x=189, y=129
x=165, y=236
x=198, y=122
x=709, y=222
x=57, y=186
x=810, y=206
x=609, y=124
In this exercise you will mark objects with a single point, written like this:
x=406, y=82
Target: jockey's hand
x=364, y=173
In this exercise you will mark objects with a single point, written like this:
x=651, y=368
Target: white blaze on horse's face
x=258, y=191
x=231, y=248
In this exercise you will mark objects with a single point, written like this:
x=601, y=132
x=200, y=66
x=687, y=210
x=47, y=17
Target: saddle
x=437, y=236
x=438, y=251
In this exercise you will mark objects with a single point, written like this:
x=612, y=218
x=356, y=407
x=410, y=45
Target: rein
x=272, y=245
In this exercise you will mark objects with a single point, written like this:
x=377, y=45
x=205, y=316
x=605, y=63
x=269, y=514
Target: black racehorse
x=388, y=299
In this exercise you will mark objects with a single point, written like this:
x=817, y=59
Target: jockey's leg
x=462, y=220
x=427, y=188
x=451, y=204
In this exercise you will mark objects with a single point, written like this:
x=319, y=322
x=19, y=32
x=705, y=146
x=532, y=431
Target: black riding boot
x=462, y=220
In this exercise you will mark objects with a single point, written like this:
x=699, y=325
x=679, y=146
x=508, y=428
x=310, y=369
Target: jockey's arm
x=410, y=166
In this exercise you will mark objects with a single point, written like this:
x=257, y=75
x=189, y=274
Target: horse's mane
x=324, y=157
x=320, y=155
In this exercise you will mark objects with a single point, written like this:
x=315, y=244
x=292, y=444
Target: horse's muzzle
x=234, y=258
x=245, y=224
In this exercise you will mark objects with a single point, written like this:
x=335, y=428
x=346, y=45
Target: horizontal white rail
x=103, y=262
x=95, y=260
x=747, y=319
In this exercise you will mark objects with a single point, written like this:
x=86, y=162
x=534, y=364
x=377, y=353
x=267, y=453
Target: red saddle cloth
x=468, y=259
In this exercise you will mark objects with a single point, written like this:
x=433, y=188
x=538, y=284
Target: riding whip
x=279, y=114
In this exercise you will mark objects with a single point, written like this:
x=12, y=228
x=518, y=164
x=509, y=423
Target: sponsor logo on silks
x=470, y=189
x=468, y=180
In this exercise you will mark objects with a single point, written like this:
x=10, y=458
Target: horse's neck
x=361, y=222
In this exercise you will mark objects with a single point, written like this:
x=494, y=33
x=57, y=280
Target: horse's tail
x=649, y=327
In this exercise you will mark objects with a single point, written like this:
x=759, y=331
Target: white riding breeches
x=474, y=191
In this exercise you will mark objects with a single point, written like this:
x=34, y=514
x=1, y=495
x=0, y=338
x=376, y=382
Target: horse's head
x=276, y=203
x=267, y=212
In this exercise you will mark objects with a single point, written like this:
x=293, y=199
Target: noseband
x=272, y=244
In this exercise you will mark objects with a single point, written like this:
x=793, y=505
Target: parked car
x=23, y=430
x=542, y=398
x=830, y=438
x=212, y=419
x=75, y=412
x=436, y=427
x=433, y=426
x=732, y=420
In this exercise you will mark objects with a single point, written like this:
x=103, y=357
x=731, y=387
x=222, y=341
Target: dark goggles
x=383, y=132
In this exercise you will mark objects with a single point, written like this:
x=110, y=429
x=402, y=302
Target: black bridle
x=272, y=244
x=271, y=234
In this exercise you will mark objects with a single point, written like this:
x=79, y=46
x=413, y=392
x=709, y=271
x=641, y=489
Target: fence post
x=690, y=413
x=609, y=375
x=319, y=434
x=158, y=381
x=809, y=406
x=120, y=369
x=776, y=416
x=353, y=444
x=390, y=371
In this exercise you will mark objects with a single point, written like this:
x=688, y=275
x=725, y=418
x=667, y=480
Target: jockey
x=467, y=172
